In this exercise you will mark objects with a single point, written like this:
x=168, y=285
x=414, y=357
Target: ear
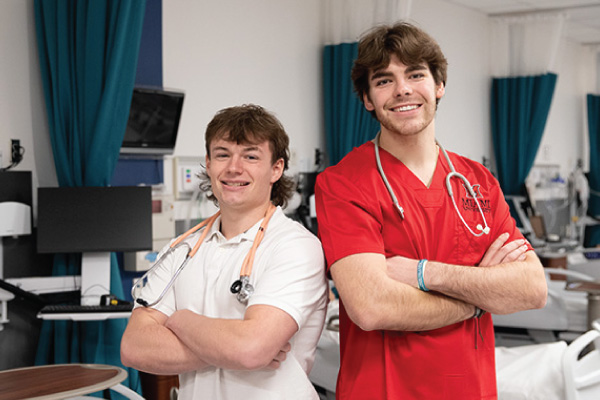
x=441, y=90
x=207, y=163
x=367, y=101
x=277, y=170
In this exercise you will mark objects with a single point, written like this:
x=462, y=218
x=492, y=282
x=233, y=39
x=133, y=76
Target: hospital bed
x=551, y=371
x=547, y=371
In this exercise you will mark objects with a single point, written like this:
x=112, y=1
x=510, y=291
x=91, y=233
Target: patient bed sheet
x=530, y=372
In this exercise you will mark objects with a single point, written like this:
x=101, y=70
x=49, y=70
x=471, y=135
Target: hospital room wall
x=269, y=52
x=566, y=137
x=463, y=115
x=225, y=53
x=22, y=108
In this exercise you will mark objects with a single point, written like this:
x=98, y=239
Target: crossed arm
x=186, y=341
x=505, y=285
x=383, y=294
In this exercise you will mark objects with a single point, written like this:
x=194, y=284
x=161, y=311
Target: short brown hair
x=411, y=45
x=253, y=124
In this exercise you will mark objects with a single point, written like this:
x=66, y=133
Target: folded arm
x=187, y=341
x=500, y=289
x=508, y=278
x=260, y=340
x=148, y=345
x=374, y=300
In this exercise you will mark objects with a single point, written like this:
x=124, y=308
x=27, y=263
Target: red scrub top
x=356, y=215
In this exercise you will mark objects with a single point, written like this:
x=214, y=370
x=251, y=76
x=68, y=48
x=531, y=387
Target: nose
x=403, y=88
x=235, y=164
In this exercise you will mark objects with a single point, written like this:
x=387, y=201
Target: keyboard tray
x=78, y=309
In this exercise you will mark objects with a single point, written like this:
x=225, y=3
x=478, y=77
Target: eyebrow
x=417, y=67
x=382, y=73
x=245, y=149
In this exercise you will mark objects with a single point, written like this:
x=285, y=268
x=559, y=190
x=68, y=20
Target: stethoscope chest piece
x=243, y=288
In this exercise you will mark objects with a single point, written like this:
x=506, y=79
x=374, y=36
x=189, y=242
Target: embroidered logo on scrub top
x=469, y=203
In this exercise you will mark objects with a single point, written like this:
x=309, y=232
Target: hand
x=501, y=252
x=280, y=357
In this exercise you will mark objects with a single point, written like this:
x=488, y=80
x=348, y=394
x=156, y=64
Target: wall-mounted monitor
x=153, y=122
x=94, y=221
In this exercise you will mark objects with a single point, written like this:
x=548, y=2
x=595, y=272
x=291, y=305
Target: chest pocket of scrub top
x=471, y=248
x=423, y=224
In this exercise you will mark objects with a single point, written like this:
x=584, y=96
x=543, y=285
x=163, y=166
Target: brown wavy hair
x=251, y=124
x=411, y=45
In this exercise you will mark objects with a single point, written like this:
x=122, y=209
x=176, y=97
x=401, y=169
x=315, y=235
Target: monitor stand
x=95, y=277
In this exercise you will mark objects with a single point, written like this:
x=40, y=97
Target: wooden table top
x=58, y=381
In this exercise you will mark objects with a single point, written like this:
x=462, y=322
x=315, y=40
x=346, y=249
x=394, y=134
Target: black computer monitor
x=94, y=221
x=153, y=122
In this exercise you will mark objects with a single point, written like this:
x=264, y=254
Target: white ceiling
x=583, y=16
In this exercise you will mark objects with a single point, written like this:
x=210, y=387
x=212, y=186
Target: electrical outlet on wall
x=546, y=152
x=293, y=161
x=15, y=149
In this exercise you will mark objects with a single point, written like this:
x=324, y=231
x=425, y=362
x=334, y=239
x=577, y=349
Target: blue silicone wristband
x=420, y=272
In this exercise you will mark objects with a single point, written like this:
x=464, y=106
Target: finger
x=509, y=252
x=493, y=249
x=279, y=358
x=508, y=248
x=515, y=254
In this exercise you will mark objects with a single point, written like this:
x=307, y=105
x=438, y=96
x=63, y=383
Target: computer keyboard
x=77, y=308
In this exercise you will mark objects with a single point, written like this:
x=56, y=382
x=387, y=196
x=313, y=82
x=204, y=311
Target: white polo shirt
x=288, y=273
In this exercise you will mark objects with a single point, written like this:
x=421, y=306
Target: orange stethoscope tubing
x=241, y=287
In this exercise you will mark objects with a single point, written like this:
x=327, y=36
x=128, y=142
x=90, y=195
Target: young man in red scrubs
x=417, y=289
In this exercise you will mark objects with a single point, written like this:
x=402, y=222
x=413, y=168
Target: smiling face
x=403, y=98
x=242, y=175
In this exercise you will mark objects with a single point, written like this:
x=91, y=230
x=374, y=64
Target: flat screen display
x=94, y=219
x=153, y=121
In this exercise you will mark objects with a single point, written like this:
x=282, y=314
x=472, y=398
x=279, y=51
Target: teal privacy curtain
x=519, y=110
x=593, y=112
x=88, y=53
x=347, y=123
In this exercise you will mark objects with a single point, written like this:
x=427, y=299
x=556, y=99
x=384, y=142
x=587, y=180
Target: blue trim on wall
x=149, y=67
x=134, y=172
x=145, y=171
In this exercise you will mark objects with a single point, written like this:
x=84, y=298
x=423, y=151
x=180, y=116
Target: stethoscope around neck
x=483, y=229
x=241, y=287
